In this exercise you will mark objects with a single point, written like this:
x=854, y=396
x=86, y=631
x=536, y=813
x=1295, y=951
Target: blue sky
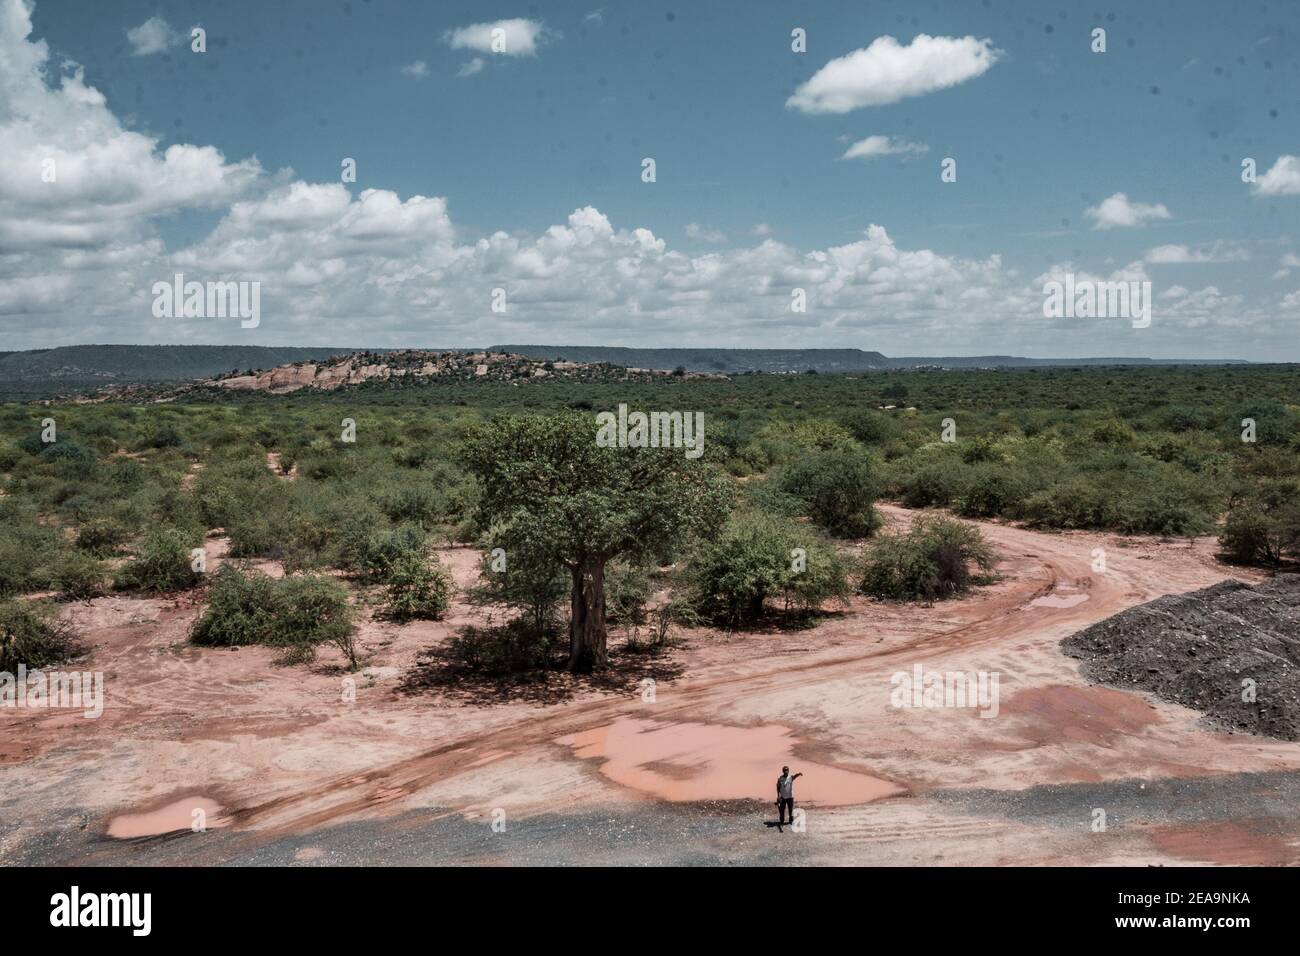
x=1045, y=133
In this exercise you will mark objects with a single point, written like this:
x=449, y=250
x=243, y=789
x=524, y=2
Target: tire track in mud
x=1002, y=617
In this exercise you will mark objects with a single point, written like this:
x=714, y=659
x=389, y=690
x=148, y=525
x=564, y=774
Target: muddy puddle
x=698, y=761
x=188, y=813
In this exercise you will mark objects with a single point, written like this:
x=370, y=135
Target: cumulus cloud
x=79, y=256
x=419, y=69
x=876, y=146
x=1174, y=254
x=1283, y=179
x=153, y=36
x=74, y=178
x=886, y=72
x=1116, y=212
x=704, y=234
x=515, y=37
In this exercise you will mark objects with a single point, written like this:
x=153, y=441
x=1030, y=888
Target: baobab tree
x=546, y=485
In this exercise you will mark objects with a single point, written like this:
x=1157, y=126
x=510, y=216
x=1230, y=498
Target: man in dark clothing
x=785, y=795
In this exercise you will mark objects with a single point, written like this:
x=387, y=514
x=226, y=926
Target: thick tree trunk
x=587, y=637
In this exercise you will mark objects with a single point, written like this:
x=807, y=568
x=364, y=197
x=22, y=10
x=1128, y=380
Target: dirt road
x=1047, y=770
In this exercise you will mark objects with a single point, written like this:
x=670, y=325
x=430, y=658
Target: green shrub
x=730, y=577
x=509, y=650
x=102, y=536
x=26, y=546
x=933, y=485
x=1263, y=527
x=162, y=563
x=517, y=573
x=991, y=490
x=77, y=575
x=296, y=613
x=627, y=589
x=374, y=554
x=417, y=589
x=937, y=558
x=32, y=635
x=837, y=488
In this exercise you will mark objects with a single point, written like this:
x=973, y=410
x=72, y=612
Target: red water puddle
x=689, y=761
x=169, y=819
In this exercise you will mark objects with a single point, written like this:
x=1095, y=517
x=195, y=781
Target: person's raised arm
x=797, y=776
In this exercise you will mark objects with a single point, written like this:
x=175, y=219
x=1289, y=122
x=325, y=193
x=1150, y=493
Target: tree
x=546, y=484
x=758, y=556
x=837, y=488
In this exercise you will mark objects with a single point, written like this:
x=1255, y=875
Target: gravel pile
x=1198, y=649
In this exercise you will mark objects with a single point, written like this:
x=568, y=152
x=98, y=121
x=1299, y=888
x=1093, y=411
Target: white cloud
x=596, y=17
x=78, y=258
x=886, y=72
x=762, y=229
x=875, y=146
x=1185, y=255
x=469, y=69
x=515, y=37
x=108, y=182
x=1287, y=262
x=419, y=69
x=1282, y=180
x=704, y=234
x=1117, y=212
x=153, y=36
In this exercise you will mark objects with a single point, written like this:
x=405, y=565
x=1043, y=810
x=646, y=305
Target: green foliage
x=525, y=578
x=552, y=490
x=296, y=613
x=937, y=558
x=510, y=650
x=731, y=576
x=31, y=634
x=1264, y=526
x=161, y=563
x=837, y=488
x=77, y=575
x=417, y=589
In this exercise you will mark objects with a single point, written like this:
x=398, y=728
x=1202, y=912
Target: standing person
x=785, y=795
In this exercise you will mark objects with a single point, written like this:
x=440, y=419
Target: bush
x=78, y=576
x=417, y=589
x=374, y=554
x=730, y=578
x=296, y=613
x=837, y=488
x=933, y=485
x=1264, y=527
x=509, y=650
x=25, y=548
x=627, y=589
x=991, y=490
x=933, y=560
x=162, y=563
x=32, y=635
x=102, y=536
x=523, y=576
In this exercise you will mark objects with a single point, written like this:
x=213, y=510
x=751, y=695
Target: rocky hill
x=359, y=368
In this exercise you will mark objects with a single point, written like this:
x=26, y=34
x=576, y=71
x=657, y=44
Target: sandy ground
x=311, y=765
